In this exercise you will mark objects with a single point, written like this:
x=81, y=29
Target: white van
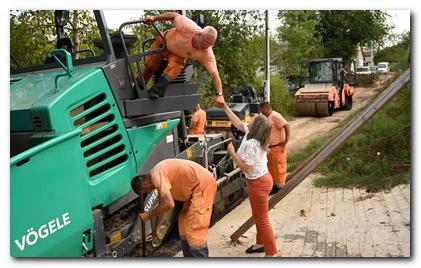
x=363, y=70
x=383, y=68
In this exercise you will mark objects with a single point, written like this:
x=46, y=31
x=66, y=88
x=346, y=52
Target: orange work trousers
x=153, y=61
x=277, y=163
x=194, y=218
x=259, y=190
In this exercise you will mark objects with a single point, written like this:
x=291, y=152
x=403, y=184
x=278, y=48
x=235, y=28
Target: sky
x=400, y=19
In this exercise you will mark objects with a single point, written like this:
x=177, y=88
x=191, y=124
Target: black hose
x=142, y=209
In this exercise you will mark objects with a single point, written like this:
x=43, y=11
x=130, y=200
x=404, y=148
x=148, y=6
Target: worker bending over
x=187, y=181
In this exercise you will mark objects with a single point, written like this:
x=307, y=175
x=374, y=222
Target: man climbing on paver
x=186, y=40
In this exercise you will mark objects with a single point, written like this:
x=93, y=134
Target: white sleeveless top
x=252, y=154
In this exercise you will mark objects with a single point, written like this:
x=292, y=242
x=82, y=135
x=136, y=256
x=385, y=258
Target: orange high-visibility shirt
x=179, y=42
x=199, y=119
x=180, y=177
x=277, y=134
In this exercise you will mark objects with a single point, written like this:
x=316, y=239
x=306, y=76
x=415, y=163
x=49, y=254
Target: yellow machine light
x=189, y=153
x=162, y=125
x=115, y=237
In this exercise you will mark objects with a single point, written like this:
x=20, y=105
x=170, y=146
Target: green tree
x=342, y=30
x=398, y=54
x=146, y=32
x=298, y=41
x=83, y=30
x=33, y=34
x=236, y=55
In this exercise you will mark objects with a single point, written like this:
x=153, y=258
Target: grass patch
x=370, y=183
x=295, y=160
x=280, y=99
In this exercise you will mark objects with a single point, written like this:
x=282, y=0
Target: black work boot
x=275, y=189
x=158, y=89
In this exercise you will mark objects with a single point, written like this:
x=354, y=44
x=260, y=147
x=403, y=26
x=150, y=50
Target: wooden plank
x=311, y=230
x=284, y=235
x=397, y=224
x=320, y=249
x=367, y=241
x=389, y=239
x=402, y=204
x=340, y=234
x=301, y=221
x=289, y=236
x=380, y=226
x=406, y=193
x=352, y=235
x=402, y=198
x=330, y=223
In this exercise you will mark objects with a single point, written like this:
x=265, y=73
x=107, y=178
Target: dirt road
x=305, y=129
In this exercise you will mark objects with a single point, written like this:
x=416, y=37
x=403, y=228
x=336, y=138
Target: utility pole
x=267, y=69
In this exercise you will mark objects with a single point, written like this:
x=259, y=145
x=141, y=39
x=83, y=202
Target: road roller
x=328, y=89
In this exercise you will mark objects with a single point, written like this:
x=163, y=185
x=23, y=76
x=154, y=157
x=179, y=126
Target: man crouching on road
x=187, y=181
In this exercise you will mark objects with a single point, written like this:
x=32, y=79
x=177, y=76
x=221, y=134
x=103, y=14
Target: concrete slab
x=325, y=222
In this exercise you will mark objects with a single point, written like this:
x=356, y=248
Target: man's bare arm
x=216, y=82
x=166, y=202
x=287, y=133
x=167, y=16
x=219, y=98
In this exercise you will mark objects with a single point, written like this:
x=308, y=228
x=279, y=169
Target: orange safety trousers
x=259, y=190
x=277, y=163
x=153, y=61
x=194, y=218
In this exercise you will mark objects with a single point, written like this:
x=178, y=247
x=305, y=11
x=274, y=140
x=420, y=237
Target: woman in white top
x=251, y=158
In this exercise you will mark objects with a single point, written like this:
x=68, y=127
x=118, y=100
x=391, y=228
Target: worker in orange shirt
x=186, y=40
x=198, y=121
x=277, y=155
x=187, y=181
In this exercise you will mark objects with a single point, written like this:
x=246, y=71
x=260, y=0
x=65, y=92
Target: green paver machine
x=81, y=129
